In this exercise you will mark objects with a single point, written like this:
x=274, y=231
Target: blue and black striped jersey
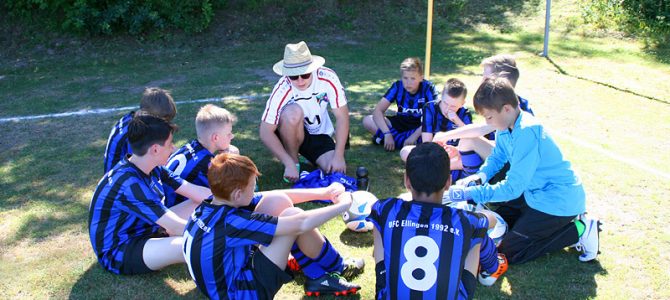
x=218, y=240
x=117, y=143
x=411, y=104
x=434, y=120
x=425, y=246
x=126, y=205
x=190, y=163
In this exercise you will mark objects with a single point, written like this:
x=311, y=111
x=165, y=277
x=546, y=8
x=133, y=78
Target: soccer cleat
x=292, y=264
x=590, y=241
x=353, y=267
x=330, y=284
x=489, y=279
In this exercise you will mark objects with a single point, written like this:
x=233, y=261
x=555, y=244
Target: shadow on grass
x=356, y=239
x=97, y=283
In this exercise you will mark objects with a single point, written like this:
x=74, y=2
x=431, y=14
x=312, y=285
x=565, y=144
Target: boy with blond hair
x=410, y=93
x=155, y=101
x=214, y=128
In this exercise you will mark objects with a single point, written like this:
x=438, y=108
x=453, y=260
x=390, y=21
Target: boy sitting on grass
x=410, y=94
x=131, y=231
x=155, y=101
x=236, y=245
x=424, y=249
x=214, y=130
x=540, y=196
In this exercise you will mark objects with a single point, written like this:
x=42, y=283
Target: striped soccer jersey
x=434, y=120
x=425, y=246
x=325, y=90
x=189, y=162
x=126, y=205
x=218, y=240
x=117, y=143
x=411, y=105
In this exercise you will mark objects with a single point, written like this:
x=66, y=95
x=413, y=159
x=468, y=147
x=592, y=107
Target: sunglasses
x=303, y=76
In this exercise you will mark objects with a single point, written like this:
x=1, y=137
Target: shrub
x=648, y=19
x=112, y=16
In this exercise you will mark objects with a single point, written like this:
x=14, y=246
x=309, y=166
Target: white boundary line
x=83, y=112
x=98, y=111
x=637, y=165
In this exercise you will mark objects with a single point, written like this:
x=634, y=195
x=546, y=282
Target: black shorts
x=269, y=277
x=314, y=145
x=404, y=123
x=133, y=259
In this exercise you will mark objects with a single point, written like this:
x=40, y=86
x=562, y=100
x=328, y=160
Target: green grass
x=49, y=168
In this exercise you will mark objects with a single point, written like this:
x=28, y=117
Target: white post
x=545, y=51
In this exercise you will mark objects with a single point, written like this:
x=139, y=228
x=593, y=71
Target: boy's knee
x=292, y=115
x=290, y=211
x=274, y=203
x=404, y=152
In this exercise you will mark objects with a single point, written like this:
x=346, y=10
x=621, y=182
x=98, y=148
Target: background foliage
x=648, y=19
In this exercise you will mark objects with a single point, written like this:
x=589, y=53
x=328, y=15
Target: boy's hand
x=389, y=143
x=453, y=117
x=334, y=190
x=458, y=193
x=471, y=180
x=337, y=164
x=344, y=198
x=291, y=173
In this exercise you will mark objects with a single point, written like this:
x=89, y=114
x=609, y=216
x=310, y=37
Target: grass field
x=604, y=98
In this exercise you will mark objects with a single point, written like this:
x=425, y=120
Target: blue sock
x=471, y=162
x=488, y=256
x=310, y=268
x=329, y=259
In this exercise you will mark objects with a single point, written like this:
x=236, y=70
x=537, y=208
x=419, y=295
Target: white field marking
x=98, y=111
x=83, y=112
x=635, y=164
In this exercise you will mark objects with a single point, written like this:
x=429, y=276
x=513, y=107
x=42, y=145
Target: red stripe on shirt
x=280, y=103
x=337, y=96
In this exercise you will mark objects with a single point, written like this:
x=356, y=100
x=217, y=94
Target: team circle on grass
x=480, y=197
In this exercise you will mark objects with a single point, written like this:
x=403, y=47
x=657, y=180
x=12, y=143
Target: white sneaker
x=590, y=240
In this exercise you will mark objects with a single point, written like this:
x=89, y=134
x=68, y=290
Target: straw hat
x=297, y=61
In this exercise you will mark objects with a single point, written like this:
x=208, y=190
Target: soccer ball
x=498, y=232
x=361, y=205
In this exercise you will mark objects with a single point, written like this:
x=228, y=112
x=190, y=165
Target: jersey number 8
x=426, y=263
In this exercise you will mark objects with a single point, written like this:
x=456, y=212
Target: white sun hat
x=297, y=61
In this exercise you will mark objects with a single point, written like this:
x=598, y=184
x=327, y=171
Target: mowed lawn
x=605, y=101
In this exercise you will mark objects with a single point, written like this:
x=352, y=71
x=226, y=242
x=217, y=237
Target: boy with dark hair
x=155, y=101
x=423, y=249
x=236, y=245
x=131, y=231
x=214, y=130
x=541, y=195
x=410, y=94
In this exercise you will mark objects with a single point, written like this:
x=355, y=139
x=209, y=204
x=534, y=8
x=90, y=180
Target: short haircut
x=494, y=93
x=455, y=88
x=427, y=168
x=228, y=172
x=145, y=130
x=412, y=64
x=503, y=65
x=158, y=102
x=211, y=117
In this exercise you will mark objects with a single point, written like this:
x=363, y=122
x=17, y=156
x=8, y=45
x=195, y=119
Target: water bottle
x=362, y=178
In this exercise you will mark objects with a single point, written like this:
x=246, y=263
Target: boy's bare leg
x=159, y=253
x=482, y=146
x=290, y=129
x=369, y=124
x=404, y=152
x=279, y=249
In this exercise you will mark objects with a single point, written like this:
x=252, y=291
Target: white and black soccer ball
x=361, y=206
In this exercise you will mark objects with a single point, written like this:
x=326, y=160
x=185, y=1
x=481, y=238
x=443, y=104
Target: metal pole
x=545, y=51
x=429, y=37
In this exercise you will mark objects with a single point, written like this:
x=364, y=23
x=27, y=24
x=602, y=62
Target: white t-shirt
x=325, y=88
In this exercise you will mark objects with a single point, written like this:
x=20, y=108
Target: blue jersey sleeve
x=480, y=224
x=465, y=115
x=245, y=228
x=428, y=120
x=141, y=201
x=392, y=92
x=169, y=178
